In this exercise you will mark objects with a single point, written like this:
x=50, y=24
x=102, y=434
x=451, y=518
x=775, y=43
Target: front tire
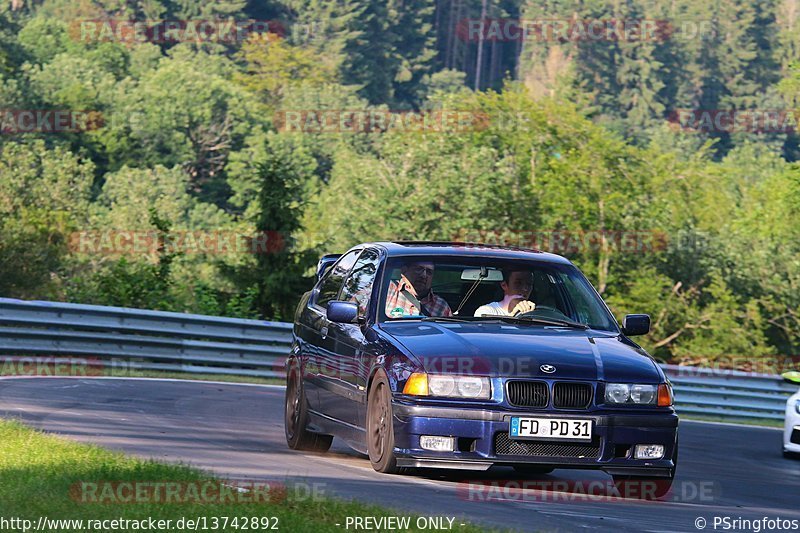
x=296, y=418
x=380, y=427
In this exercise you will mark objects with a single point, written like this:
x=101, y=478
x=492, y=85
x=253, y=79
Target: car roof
x=466, y=249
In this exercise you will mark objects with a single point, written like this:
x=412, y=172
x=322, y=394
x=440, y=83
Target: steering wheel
x=547, y=311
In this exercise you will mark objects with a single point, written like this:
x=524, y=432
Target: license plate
x=551, y=428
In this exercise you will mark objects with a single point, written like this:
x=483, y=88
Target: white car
x=791, y=431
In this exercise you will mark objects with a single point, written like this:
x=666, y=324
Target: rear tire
x=790, y=455
x=380, y=427
x=296, y=418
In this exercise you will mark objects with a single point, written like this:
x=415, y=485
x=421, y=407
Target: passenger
x=412, y=294
x=517, y=286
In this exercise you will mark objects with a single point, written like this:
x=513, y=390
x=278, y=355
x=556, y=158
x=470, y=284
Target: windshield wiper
x=434, y=318
x=449, y=318
x=536, y=320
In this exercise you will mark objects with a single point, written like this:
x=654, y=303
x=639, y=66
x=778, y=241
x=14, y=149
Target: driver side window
x=358, y=286
x=332, y=282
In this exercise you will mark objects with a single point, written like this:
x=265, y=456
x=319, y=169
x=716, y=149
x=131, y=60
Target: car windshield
x=480, y=289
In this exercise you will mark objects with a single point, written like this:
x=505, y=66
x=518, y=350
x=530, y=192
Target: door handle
x=324, y=331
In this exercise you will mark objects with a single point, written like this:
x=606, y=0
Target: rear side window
x=332, y=282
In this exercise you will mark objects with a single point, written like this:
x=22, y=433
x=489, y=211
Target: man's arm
x=442, y=308
x=520, y=305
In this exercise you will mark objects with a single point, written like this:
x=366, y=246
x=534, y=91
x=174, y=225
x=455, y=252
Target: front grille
x=572, y=395
x=527, y=393
x=795, y=438
x=503, y=445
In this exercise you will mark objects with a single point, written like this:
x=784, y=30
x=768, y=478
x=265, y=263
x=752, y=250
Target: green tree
x=280, y=269
x=44, y=197
x=385, y=49
x=171, y=116
x=187, y=9
x=274, y=67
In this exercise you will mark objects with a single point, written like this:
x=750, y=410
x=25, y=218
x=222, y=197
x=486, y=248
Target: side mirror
x=342, y=312
x=636, y=325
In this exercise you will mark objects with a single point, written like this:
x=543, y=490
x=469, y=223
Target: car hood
x=510, y=350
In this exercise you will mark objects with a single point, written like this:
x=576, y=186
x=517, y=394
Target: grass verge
x=42, y=476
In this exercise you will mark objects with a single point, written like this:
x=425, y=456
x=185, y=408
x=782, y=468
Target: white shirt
x=494, y=308
x=497, y=308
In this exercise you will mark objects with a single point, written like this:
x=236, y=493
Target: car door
x=349, y=341
x=318, y=343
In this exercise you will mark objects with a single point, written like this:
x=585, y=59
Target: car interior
x=452, y=284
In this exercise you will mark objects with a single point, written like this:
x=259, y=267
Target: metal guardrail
x=729, y=393
x=146, y=340
x=156, y=340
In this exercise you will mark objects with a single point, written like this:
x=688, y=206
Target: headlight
x=797, y=406
x=441, y=385
x=641, y=394
x=618, y=393
x=448, y=386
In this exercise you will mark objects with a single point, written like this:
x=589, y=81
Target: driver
x=412, y=294
x=517, y=286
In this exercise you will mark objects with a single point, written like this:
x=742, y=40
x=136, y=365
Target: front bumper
x=791, y=431
x=791, y=438
x=482, y=440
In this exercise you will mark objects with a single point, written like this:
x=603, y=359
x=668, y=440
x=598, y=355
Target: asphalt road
x=237, y=431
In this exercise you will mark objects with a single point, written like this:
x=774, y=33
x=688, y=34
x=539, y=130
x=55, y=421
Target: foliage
x=274, y=67
x=44, y=196
x=583, y=144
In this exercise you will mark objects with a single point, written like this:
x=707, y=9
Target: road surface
x=237, y=431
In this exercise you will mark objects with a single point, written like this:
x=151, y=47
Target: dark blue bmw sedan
x=448, y=355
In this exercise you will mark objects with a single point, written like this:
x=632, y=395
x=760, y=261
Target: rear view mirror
x=636, y=325
x=474, y=274
x=342, y=312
